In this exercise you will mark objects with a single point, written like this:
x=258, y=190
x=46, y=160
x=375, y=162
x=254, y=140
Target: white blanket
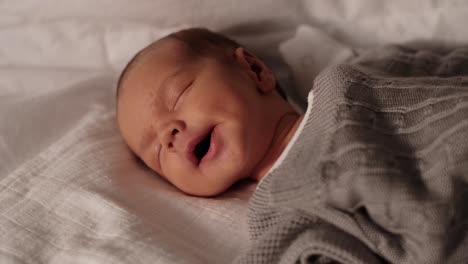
x=70, y=192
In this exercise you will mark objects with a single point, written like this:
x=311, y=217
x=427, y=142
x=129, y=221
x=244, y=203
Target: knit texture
x=378, y=172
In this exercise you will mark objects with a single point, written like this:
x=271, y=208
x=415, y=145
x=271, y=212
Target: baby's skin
x=203, y=122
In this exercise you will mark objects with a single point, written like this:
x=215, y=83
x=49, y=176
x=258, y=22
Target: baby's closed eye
x=182, y=91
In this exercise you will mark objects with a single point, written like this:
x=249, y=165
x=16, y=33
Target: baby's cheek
x=175, y=169
x=168, y=163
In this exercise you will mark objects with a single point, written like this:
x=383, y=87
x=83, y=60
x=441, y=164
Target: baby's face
x=199, y=123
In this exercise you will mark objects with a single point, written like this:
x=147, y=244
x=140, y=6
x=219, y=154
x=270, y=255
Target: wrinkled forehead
x=166, y=52
x=167, y=48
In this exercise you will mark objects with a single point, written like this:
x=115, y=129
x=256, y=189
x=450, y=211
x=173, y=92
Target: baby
x=375, y=171
x=203, y=112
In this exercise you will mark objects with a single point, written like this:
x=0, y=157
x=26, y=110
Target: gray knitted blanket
x=378, y=171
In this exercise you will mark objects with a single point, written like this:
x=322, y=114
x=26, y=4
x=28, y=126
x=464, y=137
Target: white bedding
x=70, y=192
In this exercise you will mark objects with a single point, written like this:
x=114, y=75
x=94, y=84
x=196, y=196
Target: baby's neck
x=285, y=129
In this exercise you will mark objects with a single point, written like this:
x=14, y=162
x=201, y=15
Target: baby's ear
x=256, y=69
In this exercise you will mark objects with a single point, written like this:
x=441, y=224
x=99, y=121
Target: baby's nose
x=172, y=135
x=170, y=142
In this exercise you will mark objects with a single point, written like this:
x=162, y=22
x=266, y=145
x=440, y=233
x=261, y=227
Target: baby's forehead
x=166, y=50
x=155, y=60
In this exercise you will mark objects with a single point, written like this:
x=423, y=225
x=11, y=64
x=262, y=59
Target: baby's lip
x=192, y=144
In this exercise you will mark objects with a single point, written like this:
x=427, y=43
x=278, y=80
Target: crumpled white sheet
x=70, y=192
x=364, y=23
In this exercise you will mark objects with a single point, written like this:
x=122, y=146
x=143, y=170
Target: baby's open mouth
x=202, y=147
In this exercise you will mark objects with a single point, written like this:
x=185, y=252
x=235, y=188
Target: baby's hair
x=201, y=41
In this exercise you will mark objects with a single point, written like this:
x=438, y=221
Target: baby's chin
x=206, y=189
x=217, y=180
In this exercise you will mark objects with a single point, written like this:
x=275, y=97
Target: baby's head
x=201, y=111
